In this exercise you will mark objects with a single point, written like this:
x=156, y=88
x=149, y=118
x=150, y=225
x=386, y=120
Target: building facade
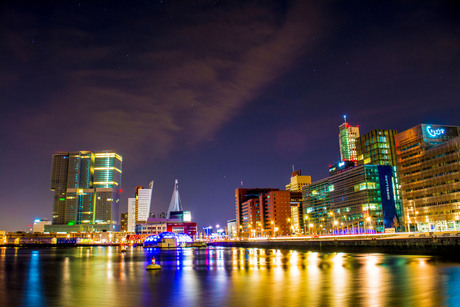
x=364, y=199
x=377, y=147
x=298, y=181
x=39, y=225
x=232, y=230
x=155, y=226
x=429, y=168
x=124, y=222
x=347, y=141
x=263, y=212
x=86, y=189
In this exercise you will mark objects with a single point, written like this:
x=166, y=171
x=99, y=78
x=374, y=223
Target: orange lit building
x=263, y=212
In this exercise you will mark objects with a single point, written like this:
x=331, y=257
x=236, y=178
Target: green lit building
x=377, y=147
x=362, y=199
x=347, y=140
x=86, y=189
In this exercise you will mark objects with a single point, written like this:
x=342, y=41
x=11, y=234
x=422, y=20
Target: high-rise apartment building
x=347, y=140
x=86, y=189
x=429, y=170
x=377, y=147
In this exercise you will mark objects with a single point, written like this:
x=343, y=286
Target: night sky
x=213, y=93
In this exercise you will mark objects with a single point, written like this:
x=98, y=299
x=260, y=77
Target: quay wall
x=448, y=247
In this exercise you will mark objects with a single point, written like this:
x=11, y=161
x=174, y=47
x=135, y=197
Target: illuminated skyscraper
x=86, y=189
x=377, y=147
x=131, y=214
x=347, y=140
x=139, y=206
x=295, y=186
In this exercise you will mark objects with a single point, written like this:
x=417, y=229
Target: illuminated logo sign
x=341, y=164
x=435, y=132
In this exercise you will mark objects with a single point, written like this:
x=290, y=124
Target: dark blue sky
x=212, y=92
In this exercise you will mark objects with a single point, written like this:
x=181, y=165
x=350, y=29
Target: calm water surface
x=102, y=276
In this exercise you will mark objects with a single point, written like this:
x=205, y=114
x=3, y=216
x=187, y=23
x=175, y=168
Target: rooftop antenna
x=345, y=118
x=241, y=183
x=293, y=168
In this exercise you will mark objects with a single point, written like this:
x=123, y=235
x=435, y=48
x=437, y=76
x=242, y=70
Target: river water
x=103, y=276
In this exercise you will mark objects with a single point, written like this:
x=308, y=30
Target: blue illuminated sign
x=341, y=164
x=435, y=132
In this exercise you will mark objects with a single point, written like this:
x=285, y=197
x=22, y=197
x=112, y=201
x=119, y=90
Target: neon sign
x=434, y=132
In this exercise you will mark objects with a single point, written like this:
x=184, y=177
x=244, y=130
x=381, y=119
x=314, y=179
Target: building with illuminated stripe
x=429, y=171
x=362, y=199
x=86, y=189
x=347, y=140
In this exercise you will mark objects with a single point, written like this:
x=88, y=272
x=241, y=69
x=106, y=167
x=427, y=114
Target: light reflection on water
x=222, y=276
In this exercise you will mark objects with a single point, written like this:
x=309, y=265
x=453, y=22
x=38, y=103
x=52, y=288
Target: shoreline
x=448, y=247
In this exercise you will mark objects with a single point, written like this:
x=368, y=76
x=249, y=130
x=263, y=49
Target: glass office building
x=429, y=169
x=377, y=147
x=86, y=189
x=363, y=199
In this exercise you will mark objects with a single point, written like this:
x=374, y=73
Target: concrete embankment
x=446, y=247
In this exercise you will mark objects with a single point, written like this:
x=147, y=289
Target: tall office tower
x=139, y=206
x=377, y=147
x=143, y=199
x=429, y=171
x=86, y=190
x=60, y=164
x=295, y=186
x=131, y=214
x=347, y=140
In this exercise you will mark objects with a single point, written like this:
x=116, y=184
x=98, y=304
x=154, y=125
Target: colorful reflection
x=222, y=276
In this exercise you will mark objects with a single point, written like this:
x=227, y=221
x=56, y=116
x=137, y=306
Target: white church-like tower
x=175, y=204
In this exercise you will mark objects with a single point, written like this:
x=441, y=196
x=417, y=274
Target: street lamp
x=368, y=219
x=304, y=223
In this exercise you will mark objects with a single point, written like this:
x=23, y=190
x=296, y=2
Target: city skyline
x=212, y=93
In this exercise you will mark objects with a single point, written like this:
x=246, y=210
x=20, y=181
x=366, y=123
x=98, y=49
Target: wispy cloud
x=176, y=88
